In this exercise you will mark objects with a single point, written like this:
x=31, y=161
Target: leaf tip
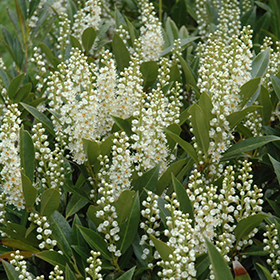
x=238, y=268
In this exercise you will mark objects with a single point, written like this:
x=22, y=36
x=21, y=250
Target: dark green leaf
x=183, y=198
x=40, y=117
x=266, y=272
x=75, y=43
x=14, y=85
x=61, y=232
x=164, y=250
x=248, y=90
x=95, y=241
x=219, y=266
x=69, y=274
x=127, y=275
x=276, y=166
x=265, y=101
x=88, y=38
x=245, y=226
x=27, y=154
x=249, y=145
x=92, y=151
x=54, y=258
x=260, y=63
x=122, y=55
x=276, y=85
x=23, y=92
x=123, y=124
x=49, y=202
x=149, y=71
x=10, y=271
x=29, y=191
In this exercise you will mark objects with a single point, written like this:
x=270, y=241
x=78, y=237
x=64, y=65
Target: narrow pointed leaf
x=276, y=85
x=149, y=70
x=240, y=272
x=260, y=63
x=245, y=226
x=219, y=266
x=69, y=273
x=10, y=271
x=248, y=90
x=27, y=153
x=121, y=52
x=29, y=191
x=183, y=198
x=14, y=85
x=266, y=272
x=40, y=117
x=276, y=166
x=123, y=124
x=127, y=275
x=164, y=250
x=54, y=258
x=75, y=43
x=49, y=202
x=95, y=241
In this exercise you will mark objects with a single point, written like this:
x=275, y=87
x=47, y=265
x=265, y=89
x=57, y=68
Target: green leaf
x=92, y=151
x=40, y=117
x=200, y=127
x=163, y=211
x=20, y=245
x=61, y=232
x=187, y=147
x=240, y=272
x=176, y=129
x=129, y=228
x=75, y=43
x=23, y=92
x=149, y=72
x=190, y=77
x=54, y=258
x=276, y=85
x=248, y=90
x=95, y=241
x=219, y=266
x=165, y=178
x=183, y=198
x=127, y=275
x=265, y=101
x=75, y=190
x=14, y=85
x=49, y=202
x=236, y=117
x=164, y=250
x=122, y=55
x=276, y=166
x=245, y=226
x=206, y=106
x=249, y=145
x=27, y=153
x=147, y=181
x=202, y=264
x=255, y=250
x=69, y=273
x=260, y=63
x=88, y=38
x=74, y=205
x=45, y=49
x=10, y=271
x=123, y=124
x=29, y=191
x=266, y=272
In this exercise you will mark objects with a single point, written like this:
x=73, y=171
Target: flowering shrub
x=140, y=141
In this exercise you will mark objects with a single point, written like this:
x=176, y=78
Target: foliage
x=140, y=140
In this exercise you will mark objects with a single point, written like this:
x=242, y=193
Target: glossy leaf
x=45, y=49
x=206, y=106
x=122, y=55
x=249, y=145
x=276, y=166
x=165, y=178
x=200, y=127
x=127, y=275
x=236, y=117
x=54, y=258
x=183, y=198
x=29, y=191
x=61, y=232
x=23, y=92
x=95, y=241
x=246, y=225
x=14, y=85
x=27, y=153
x=266, y=272
x=219, y=266
x=163, y=211
x=147, y=181
x=18, y=244
x=149, y=70
x=91, y=213
x=92, y=151
x=49, y=202
x=164, y=250
x=187, y=147
x=69, y=274
x=248, y=90
x=123, y=124
x=266, y=105
x=202, y=264
x=10, y=271
x=260, y=63
x=40, y=117
x=75, y=43
x=74, y=205
x=88, y=38
x=129, y=227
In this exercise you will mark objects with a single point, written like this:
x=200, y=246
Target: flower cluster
x=50, y=163
x=89, y=16
x=150, y=32
x=56, y=274
x=9, y=157
x=95, y=266
x=43, y=230
x=224, y=68
x=20, y=266
x=272, y=246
